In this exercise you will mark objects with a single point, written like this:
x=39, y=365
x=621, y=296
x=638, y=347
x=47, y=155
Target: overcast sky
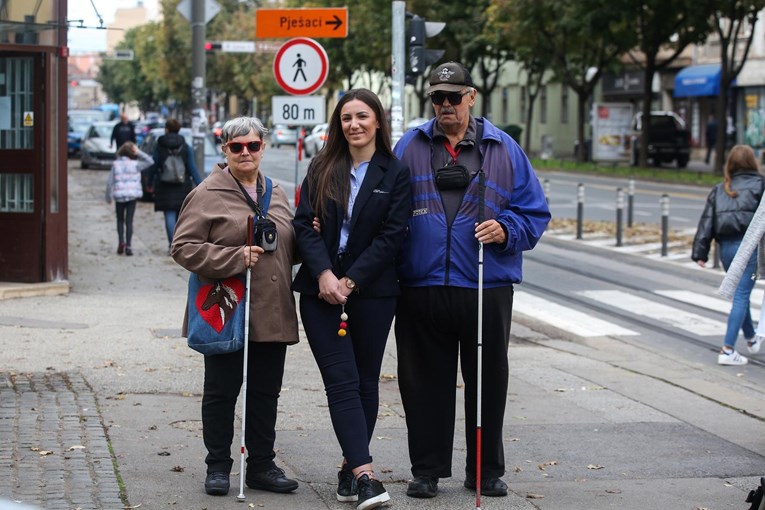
x=83, y=40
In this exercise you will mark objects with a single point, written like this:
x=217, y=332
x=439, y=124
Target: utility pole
x=398, y=31
x=198, y=86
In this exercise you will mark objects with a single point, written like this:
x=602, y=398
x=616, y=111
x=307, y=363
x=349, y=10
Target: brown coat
x=208, y=240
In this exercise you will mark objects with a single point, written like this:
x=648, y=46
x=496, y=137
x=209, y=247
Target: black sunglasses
x=454, y=98
x=237, y=147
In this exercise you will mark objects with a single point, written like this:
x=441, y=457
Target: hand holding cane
x=250, y=225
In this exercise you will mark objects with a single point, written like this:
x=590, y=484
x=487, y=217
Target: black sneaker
x=494, y=487
x=217, y=483
x=347, y=490
x=271, y=480
x=372, y=494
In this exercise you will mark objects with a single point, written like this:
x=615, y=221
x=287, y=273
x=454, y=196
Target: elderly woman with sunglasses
x=211, y=240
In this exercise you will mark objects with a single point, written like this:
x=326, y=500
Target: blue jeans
x=740, y=317
x=171, y=218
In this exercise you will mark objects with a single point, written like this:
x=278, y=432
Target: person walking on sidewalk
x=347, y=283
x=122, y=132
x=211, y=240
x=729, y=210
x=168, y=196
x=437, y=315
x=124, y=186
x=711, y=137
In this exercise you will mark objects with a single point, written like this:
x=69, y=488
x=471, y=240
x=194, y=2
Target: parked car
x=282, y=134
x=142, y=127
x=96, y=150
x=669, y=140
x=314, y=142
x=213, y=154
x=78, y=122
x=417, y=121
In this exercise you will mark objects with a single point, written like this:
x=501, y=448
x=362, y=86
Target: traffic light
x=211, y=46
x=419, y=56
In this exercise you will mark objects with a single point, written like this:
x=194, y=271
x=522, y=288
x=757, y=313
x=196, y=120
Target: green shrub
x=514, y=130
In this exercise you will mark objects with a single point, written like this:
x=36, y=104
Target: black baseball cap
x=449, y=77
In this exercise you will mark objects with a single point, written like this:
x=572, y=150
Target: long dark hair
x=741, y=158
x=329, y=176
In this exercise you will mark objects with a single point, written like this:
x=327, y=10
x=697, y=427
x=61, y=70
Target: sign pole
x=198, y=91
x=398, y=64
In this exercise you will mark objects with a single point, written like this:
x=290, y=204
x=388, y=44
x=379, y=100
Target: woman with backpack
x=124, y=186
x=170, y=185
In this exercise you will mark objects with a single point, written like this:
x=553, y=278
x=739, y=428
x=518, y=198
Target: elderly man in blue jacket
x=437, y=315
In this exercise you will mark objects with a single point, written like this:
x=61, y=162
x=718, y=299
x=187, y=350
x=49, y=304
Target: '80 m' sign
x=298, y=110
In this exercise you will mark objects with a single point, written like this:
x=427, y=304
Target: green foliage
x=514, y=130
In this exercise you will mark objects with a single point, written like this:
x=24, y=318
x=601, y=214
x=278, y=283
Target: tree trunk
x=646, y=116
x=580, y=116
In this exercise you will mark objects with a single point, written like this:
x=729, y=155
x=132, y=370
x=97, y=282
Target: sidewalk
x=100, y=400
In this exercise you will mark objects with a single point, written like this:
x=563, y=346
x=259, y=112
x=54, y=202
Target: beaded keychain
x=343, y=324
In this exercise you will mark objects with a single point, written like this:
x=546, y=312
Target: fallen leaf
x=543, y=465
x=531, y=495
x=178, y=469
x=594, y=466
x=75, y=447
x=618, y=491
x=164, y=454
x=560, y=390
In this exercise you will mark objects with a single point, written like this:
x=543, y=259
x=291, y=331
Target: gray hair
x=241, y=126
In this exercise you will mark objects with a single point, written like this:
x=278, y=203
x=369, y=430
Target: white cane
x=241, y=496
x=479, y=348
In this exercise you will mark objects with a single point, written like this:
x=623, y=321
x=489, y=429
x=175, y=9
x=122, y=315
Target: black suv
x=669, y=139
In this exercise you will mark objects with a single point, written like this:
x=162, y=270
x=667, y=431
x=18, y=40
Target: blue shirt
x=357, y=177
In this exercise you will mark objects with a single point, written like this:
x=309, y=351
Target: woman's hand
x=332, y=290
x=251, y=255
x=490, y=231
x=701, y=263
x=316, y=224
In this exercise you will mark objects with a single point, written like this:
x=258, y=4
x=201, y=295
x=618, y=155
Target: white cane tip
x=240, y=497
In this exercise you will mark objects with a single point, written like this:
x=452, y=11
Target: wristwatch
x=350, y=283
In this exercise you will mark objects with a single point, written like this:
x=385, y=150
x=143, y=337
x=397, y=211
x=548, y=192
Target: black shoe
x=371, y=493
x=347, y=490
x=128, y=251
x=120, y=248
x=423, y=487
x=217, y=484
x=489, y=486
x=271, y=480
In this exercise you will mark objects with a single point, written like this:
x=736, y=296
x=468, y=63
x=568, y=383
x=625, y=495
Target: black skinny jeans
x=350, y=365
x=125, y=212
x=223, y=380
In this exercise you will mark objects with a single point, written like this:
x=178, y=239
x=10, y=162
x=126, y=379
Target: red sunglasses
x=237, y=147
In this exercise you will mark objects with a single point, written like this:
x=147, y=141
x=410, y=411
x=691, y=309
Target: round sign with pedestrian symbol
x=301, y=66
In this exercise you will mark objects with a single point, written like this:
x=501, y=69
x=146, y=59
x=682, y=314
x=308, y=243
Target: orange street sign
x=318, y=23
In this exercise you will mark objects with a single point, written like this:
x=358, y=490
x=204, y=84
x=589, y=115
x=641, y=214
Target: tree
x=581, y=38
x=664, y=28
x=733, y=24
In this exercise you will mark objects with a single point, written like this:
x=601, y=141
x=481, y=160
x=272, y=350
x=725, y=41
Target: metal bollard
x=579, y=209
x=664, y=223
x=546, y=188
x=619, y=215
x=630, y=201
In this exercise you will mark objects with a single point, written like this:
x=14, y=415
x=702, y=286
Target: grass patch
x=670, y=175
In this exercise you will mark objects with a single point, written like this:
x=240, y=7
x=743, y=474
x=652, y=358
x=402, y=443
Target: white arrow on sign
x=298, y=110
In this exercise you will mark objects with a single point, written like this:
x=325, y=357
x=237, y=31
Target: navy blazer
x=378, y=226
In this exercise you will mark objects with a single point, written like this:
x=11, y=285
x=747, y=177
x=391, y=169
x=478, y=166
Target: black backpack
x=756, y=497
x=173, y=168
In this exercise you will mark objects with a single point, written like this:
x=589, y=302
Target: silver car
x=96, y=149
x=282, y=134
x=314, y=142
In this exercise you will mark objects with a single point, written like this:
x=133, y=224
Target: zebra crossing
x=586, y=325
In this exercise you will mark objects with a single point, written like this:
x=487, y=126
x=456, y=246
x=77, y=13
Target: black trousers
x=125, y=212
x=223, y=381
x=434, y=327
x=350, y=365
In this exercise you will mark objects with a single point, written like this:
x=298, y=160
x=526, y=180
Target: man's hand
x=490, y=231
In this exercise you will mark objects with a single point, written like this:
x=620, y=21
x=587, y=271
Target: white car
x=314, y=142
x=96, y=149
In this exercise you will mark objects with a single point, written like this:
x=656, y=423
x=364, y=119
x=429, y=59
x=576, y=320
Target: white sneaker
x=731, y=358
x=754, y=344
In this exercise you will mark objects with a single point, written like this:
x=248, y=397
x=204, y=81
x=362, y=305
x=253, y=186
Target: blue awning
x=700, y=80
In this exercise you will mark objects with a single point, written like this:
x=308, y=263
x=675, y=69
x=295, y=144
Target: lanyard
x=451, y=151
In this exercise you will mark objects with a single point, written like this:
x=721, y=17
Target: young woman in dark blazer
x=347, y=283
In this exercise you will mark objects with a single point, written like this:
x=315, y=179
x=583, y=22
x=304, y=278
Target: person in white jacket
x=124, y=186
